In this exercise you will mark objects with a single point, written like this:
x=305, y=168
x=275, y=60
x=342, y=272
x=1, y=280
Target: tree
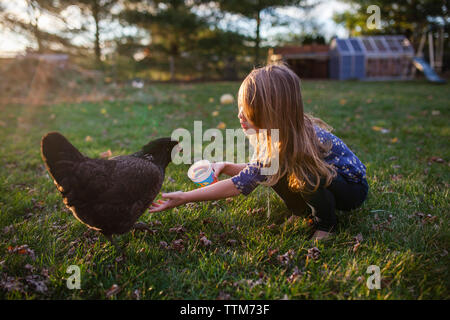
x=27, y=23
x=253, y=9
x=409, y=17
x=98, y=10
x=172, y=25
x=219, y=50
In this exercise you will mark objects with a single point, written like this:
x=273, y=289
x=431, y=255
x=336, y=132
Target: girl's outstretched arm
x=219, y=190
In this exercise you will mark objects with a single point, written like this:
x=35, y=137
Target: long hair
x=270, y=98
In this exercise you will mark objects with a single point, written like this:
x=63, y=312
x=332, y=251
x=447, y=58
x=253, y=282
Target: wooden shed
x=308, y=61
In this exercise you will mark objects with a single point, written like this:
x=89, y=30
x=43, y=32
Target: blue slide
x=423, y=66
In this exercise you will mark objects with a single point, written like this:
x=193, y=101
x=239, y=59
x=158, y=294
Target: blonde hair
x=270, y=98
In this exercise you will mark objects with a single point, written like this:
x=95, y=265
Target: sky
x=12, y=43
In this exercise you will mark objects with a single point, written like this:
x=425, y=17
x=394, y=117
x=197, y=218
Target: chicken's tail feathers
x=59, y=155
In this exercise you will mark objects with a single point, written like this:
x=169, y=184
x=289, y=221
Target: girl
x=316, y=168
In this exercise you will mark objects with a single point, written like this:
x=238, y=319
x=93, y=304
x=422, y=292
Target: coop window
x=355, y=45
x=380, y=45
x=342, y=45
x=367, y=45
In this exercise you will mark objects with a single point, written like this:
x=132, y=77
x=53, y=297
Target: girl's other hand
x=218, y=168
x=174, y=199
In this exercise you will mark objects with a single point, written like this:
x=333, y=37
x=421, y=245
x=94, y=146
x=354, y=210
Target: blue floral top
x=340, y=156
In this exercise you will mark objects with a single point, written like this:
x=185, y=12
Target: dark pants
x=340, y=194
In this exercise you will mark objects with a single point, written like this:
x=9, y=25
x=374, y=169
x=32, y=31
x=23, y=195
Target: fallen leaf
x=23, y=249
x=177, y=245
x=313, y=253
x=286, y=258
x=205, y=242
x=270, y=253
x=295, y=275
x=37, y=283
x=136, y=294
x=112, y=291
x=226, y=99
x=88, y=139
x=179, y=229
x=221, y=125
x=437, y=160
x=272, y=226
x=380, y=129
x=11, y=284
x=29, y=267
x=223, y=296
x=163, y=245
x=106, y=154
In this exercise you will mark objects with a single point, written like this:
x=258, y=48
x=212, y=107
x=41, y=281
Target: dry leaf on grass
x=313, y=253
x=436, y=159
x=136, y=294
x=10, y=284
x=286, y=258
x=23, y=249
x=223, y=296
x=177, y=245
x=272, y=226
x=38, y=284
x=178, y=229
x=271, y=252
x=106, y=154
x=112, y=291
x=221, y=125
x=163, y=245
x=380, y=129
x=205, y=242
x=296, y=274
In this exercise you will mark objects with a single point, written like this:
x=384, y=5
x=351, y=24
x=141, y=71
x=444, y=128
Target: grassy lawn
x=403, y=227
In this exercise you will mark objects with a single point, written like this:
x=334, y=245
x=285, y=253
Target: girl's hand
x=218, y=168
x=175, y=199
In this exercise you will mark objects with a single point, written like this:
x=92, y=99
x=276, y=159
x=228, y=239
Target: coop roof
x=310, y=51
x=393, y=45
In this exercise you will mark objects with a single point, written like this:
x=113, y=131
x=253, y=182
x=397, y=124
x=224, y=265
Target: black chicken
x=107, y=195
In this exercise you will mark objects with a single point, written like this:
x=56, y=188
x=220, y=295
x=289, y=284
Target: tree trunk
x=37, y=35
x=258, y=37
x=172, y=67
x=96, y=15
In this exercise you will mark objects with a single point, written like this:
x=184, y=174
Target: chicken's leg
x=113, y=242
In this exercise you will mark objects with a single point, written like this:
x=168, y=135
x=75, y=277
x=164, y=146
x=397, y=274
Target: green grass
x=410, y=249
